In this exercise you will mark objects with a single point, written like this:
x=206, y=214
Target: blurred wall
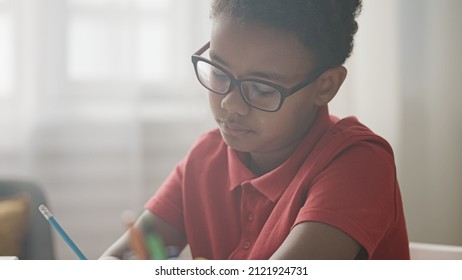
x=431, y=132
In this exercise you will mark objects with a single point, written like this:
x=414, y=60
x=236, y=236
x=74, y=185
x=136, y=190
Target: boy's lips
x=233, y=129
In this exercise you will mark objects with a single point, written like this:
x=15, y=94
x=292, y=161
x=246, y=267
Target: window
x=122, y=40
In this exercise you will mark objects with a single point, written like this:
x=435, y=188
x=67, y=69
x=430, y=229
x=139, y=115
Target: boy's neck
x=262, y=163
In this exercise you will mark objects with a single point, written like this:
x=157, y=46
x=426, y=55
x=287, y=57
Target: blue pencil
x=47, y=214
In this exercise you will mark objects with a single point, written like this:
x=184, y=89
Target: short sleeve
x=168, y=201
x=355, y=193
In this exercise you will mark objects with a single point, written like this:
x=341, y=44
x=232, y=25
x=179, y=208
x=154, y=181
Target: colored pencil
x=137, y=244
x=54, y=223
x=156, y=246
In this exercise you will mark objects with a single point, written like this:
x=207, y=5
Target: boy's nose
x=233, y=102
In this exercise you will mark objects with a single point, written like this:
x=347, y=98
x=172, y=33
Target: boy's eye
x=218, y=74
x=263, y=90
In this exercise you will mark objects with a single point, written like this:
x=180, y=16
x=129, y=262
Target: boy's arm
x=314, y=240
x=171, y=236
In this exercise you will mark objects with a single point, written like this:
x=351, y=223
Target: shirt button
x=250, y=217
x=246, y=245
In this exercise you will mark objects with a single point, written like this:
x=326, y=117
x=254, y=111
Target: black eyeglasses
x=260, y=94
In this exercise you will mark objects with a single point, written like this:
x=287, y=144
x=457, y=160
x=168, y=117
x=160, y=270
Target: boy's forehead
x=244, y=44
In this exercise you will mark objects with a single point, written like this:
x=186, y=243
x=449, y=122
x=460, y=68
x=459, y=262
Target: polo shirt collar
x=274, y=183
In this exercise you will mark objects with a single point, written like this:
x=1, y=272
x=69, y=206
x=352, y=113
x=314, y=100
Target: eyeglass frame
x=284, y=92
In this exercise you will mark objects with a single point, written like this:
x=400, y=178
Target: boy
x=280, y=178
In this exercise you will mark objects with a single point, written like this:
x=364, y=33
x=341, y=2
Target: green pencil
x=156, y=246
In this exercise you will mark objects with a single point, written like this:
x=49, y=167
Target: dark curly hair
x=325, y=27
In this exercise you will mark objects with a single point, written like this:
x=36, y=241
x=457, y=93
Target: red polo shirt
x=340, y=174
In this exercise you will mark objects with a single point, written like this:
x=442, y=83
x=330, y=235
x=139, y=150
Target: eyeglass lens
x=256, y=94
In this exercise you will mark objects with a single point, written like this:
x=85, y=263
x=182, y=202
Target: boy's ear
x=328, y=84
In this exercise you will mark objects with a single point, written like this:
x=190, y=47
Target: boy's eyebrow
x=217, y=58
x=258, y=74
